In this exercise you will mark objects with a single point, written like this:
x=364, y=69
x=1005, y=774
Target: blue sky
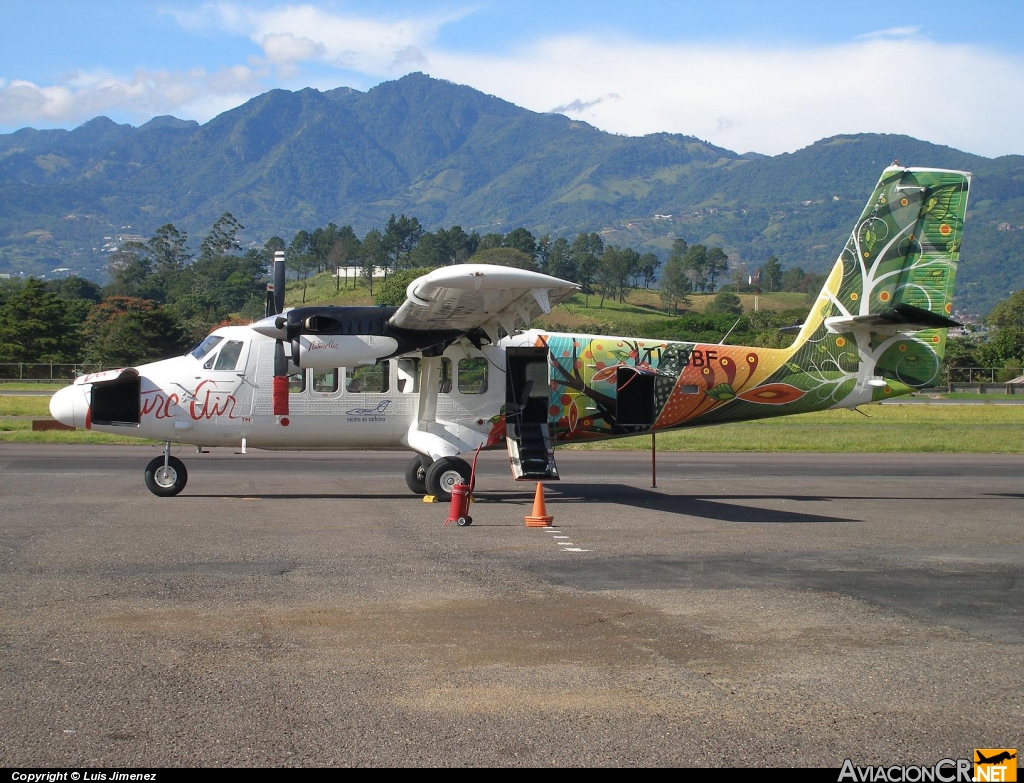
x=768, y=77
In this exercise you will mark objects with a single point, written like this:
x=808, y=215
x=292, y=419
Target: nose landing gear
x=166, y=476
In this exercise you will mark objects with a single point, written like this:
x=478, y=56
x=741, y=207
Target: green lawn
x=907, y=428
x=884, y=428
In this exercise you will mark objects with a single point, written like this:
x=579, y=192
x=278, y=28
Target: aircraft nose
x=68, y=406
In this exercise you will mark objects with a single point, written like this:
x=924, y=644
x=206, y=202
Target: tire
x=416, y=476
x=445, y=473
x=465, y=521
x=167, y=482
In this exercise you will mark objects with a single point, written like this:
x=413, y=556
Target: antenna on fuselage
x=275, y=304
x=722, y=341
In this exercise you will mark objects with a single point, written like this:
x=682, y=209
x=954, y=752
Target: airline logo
x=995, y=764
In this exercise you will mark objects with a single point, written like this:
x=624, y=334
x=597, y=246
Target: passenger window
x=473, y=375
x=408, y=376
x=444, y=384
x=229, y=355
x=297, y=382
x=370, y=379
x=325, y=381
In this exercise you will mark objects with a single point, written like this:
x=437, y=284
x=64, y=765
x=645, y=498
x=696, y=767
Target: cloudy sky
x=769, y=77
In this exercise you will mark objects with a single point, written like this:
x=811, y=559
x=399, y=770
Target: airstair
x=530, y=451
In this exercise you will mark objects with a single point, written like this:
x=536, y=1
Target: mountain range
x=451, y=155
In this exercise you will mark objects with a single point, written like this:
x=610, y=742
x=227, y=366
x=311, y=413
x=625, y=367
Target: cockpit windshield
x=206, y=346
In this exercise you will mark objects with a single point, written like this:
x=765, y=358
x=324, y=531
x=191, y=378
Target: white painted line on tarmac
x=565, y=546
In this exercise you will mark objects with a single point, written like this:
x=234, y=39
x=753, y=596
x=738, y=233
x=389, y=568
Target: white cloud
x=285, y=47
x=775, y=100
x=892, y=32
x=743, y=96
x=307, y=33
x=142, y=95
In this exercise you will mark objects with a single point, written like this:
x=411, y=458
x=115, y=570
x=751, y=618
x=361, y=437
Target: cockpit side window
x=229, y=355
x=206, y=346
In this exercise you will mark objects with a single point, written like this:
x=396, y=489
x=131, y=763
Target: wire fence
x=979, y=375
x=35, y=371
x=32, y=371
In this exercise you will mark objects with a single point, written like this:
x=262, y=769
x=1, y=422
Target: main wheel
x=416, y=476
x=166, y=481
x=445, y=473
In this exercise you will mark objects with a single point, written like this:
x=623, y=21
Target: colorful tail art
x=891, y=291
x=877, y=330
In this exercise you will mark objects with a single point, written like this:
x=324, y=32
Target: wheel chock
x=429, y=499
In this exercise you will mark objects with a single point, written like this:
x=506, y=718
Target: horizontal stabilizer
x=899, y=318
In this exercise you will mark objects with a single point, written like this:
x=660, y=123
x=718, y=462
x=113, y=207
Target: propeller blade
x=280, y=380
x=275, y=288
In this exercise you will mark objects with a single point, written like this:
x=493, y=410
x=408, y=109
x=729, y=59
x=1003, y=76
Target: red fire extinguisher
x=458, y=509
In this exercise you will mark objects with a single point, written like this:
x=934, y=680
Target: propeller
x=275, y=304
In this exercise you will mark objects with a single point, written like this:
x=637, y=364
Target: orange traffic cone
x=539, y=517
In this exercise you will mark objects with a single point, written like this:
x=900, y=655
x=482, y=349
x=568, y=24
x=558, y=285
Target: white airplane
x=455, y=368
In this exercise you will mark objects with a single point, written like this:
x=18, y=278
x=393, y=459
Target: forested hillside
x=451, y=156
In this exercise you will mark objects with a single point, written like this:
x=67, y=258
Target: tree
x=1008, y=313
x=35, y=326
x=725, y=303
x=649, y=264
x=614, y=269
x=391, y=292
x=675, y=284
x=300, y=259
x=561, y=261
x=122, y=331
x=344, y=252
x=168, y=250
x=522, y=240
x=771, y=275
x=791, y=279
x=130, y=267
x=374, y=256
x=432, y=251
x=695, y=263
x=504, y=256
x=272, y=245
x=222, y=239
x=543, y=253
x=401, y=235
x=490, y=241
x=716, y=264
x=586, y=249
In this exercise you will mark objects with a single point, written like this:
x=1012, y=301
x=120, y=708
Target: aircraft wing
x=472, y=296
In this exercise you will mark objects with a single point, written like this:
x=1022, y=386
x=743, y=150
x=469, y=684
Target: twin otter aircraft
x=455, y=368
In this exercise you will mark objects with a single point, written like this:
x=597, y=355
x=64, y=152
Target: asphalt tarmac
x=306, y=610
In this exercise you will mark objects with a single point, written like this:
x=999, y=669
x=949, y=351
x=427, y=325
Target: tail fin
x=893, y=282
x=897, y=270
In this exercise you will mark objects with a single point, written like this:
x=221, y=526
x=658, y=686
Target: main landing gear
x=166, y=476
x=438, y=477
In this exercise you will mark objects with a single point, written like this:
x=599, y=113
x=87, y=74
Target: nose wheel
x=166, y=476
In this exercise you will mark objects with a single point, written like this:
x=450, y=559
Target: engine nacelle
x=341, y=350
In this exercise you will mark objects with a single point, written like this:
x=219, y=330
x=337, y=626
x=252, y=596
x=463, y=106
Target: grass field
x=883, y=428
